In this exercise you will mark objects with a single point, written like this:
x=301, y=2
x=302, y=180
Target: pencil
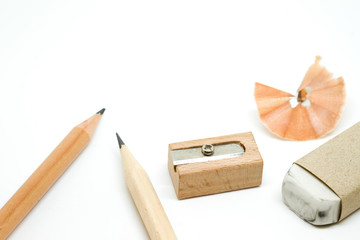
x=35, y=187
x=143, y=193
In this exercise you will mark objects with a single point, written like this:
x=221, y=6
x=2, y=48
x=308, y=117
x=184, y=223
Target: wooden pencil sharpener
x=215, y=165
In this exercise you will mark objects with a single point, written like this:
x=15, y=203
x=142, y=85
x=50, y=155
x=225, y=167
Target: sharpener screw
x=207, y=149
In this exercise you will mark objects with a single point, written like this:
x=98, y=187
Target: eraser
x=332, y=170
x=309, y=198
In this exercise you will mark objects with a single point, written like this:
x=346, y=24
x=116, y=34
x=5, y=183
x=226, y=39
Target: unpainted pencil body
x=35, y=187
x=146, y=200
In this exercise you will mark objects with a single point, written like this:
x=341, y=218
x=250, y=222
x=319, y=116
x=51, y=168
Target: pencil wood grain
x=146, y=200
x=35, y=187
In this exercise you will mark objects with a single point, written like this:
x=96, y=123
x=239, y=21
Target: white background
x=166, y=71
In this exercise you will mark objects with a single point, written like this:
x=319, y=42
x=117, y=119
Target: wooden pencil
x=143, y=193
x=35, y=187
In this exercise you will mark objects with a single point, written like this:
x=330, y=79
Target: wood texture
x=320, y=102
x=147, y=202
x=35, y=187
x=198, y=179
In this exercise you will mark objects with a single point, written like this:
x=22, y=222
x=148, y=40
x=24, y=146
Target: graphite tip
x=101, y=111
x=119, y=140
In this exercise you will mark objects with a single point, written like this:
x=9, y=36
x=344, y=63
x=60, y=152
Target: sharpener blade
x=195, y=155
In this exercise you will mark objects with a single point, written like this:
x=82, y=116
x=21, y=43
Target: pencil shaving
x=311, y=114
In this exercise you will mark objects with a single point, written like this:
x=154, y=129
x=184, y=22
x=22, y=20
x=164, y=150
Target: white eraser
x=310, y=198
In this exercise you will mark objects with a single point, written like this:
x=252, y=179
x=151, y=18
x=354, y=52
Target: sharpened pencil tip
x=119, y=140
x=101, y=112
